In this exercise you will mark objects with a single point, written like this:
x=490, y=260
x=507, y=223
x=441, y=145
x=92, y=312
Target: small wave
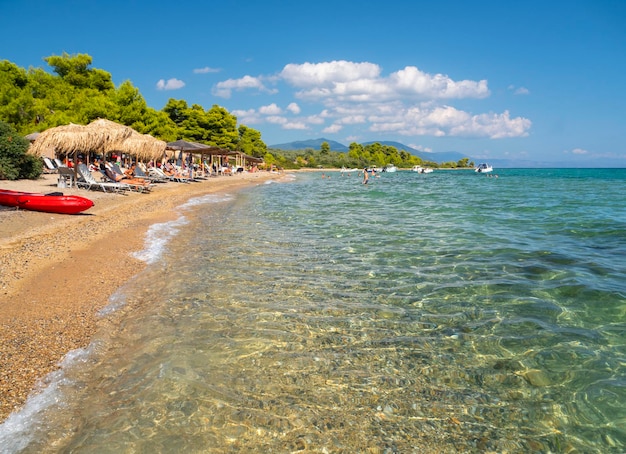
x=18, y=430
x=157, y=237
x=209, y=198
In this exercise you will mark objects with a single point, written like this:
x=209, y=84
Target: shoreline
x=58, y=271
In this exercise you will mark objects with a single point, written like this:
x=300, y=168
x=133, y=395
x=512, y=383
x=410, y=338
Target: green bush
x=14, y=162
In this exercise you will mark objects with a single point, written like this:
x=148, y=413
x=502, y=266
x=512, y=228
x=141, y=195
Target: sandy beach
x=56, y=270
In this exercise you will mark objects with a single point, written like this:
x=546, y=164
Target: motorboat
x=420, y=169
x=483, y=168
x=390, y=168
x=346, y=170
x=54, y=202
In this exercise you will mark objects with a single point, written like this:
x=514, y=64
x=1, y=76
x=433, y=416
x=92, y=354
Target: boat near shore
x=54, y=202
x=483, y=168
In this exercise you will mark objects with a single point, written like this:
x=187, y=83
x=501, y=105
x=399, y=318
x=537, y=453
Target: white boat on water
x=483, y=168
x=346, y=170
x=420, y=169
x=390, y=168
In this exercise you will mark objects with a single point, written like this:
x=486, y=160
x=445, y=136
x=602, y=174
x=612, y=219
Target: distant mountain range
x=315, y=144
x=453, y=156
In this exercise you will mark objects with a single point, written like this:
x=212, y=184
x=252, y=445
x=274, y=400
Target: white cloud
x=206, y=70
x=407, y=102
x=293, y=108
x=332, y=129
x=579, y=151
x=442, y=121
x=247, y=117
x=519, y=90
x=361, y=82
x=328, y=73
x=295, y=125
x=272, y=109
x=224, y=89
x=412, y=81
x=170, y=84
x=421, y=148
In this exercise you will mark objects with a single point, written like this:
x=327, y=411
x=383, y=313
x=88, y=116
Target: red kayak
x=55, y=202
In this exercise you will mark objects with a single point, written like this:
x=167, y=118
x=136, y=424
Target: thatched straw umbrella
x=142, y=146
x=110, y=131
x=67, y=139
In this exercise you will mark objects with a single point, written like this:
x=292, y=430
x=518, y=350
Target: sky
x=534, y=81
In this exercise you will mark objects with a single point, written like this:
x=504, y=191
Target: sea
x=442, y=312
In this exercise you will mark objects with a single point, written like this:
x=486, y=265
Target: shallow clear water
x=447, y=311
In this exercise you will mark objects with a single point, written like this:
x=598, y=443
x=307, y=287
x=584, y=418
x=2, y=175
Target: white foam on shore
x=157, y=237
x=17, y=431
x=209, y=198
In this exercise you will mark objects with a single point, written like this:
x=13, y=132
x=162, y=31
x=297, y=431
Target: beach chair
x=87, y=181
x=159, y=172
x=112, y=172
x=48, y=166
x=208, y=170
x=139, y=172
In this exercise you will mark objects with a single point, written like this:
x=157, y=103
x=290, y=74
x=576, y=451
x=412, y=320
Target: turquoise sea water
x=447, y=312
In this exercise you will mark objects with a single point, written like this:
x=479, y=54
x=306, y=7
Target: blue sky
x=535, y=80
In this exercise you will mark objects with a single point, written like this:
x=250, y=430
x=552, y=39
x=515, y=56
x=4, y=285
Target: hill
x=443, y=156
x=315, y=144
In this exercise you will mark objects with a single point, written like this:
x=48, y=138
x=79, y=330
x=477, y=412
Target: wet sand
x=57, y=271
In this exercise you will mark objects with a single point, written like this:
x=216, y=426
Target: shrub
x=15, y=163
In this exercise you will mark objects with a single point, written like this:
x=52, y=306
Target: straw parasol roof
x=67, y=139
x=142, y=146
x=99, y=136
x=110, y=131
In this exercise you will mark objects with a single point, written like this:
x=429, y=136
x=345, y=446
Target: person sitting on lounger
x=121, y=178
x=171, y=171
x=130, y=173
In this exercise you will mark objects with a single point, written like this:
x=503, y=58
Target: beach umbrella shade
x=184, y=145
x=142, y=146
x=110, y=131
x=67, y=139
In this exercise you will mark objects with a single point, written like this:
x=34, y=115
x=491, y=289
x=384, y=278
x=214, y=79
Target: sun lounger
x=159, y=172
x=48, y=166
x=87, y=181
x=112, y=175
x=139, y=172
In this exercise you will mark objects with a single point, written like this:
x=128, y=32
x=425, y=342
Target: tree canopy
x=35, y=100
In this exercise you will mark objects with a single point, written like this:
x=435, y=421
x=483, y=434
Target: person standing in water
x=365, y=176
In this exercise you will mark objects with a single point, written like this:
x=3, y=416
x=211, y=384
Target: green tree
x=250, y=142
x=324, y=149
x=130, y=106
x=222, y=129
x=74, y=69
x=158, y=124
x=176, y=109
x=15, y=163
